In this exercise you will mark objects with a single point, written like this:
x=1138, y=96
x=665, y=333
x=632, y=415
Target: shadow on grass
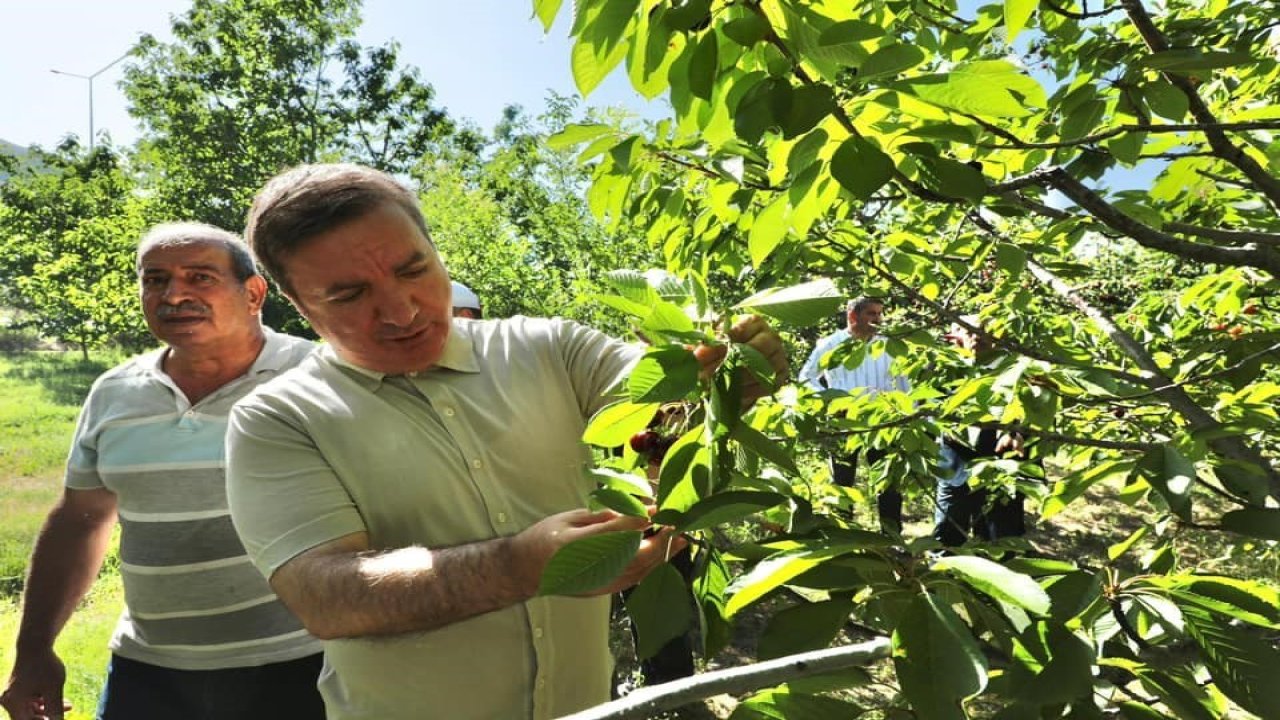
x=64, y=375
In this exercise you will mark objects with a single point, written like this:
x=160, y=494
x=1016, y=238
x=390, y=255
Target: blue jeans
x=141, y=691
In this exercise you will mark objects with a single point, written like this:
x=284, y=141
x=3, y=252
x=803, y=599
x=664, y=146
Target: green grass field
x=40, y=394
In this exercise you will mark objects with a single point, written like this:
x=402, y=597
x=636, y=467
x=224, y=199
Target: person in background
x=466, y=304
x=873, y=375
x=962, y=511
x=404, y=488
x=202, y=634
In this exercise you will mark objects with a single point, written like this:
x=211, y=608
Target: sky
x=480, y=55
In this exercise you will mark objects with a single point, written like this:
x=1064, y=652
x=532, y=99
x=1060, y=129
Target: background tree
x=513, y=223
x=69, y=223
x=956, y=156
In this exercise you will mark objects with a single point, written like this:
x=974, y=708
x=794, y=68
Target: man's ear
x=256, y=287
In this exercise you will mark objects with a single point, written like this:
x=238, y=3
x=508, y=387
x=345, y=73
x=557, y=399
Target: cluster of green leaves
x=68, y=224
x=954, y=157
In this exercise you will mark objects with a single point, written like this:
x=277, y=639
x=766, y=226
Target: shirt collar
x=274, y=355
x=459, y=355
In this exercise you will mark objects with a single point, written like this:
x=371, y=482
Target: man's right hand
x=35, y=688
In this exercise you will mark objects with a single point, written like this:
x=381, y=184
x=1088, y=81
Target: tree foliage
x=69, y=221
x=957, y=157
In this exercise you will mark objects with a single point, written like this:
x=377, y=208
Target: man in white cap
x=466, y=304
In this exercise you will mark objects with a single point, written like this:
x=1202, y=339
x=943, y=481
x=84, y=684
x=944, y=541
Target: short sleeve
x=284, y=497
x=82, y=461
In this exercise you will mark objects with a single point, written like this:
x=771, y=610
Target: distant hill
x=8, y=148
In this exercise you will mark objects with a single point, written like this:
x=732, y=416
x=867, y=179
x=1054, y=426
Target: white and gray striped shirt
x=193, y=600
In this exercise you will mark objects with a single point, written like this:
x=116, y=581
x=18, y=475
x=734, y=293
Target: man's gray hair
x=180, y=234
x=859, y=304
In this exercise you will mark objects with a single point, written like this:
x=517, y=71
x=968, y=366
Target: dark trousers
x=844, y=470
x=141, y=691
x=963, y=513
x=673, y=660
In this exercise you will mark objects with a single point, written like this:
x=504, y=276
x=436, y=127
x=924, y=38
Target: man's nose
x=397, y=307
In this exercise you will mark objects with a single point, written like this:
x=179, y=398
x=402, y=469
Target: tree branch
x=648, y=702
x=1262, y=180
x=1249, y=255
x=1076, y=15
x=1017, y=143
x=1233, y=237
x=1200, y=420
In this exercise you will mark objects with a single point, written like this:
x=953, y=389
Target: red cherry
x=1250, y=309
x=644, y=441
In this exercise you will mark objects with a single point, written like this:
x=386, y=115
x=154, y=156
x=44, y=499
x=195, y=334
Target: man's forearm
x=67, y=556
x=349, y=593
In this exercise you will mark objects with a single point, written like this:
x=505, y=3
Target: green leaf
x=1262, y=523
x=1242, y=664
x=768, y=229
x=987, y=88
x=614, y=424
x=728, y=506
x=1082, y=120
x=1016, y=15
x=746, y=30
x=810, y=105
x=849, y=31
x=800, y=305
x=704, y=67
x=1191, y=59
x=687, y=14
x=860, y=167
x=628, y=483
x=937, y=660
x=590, y=65
x=660, y=607
x=1166, y=100
x=620, y=502
x=1173, y=476
x=952, y=178
x=1127, y=147
x=760, y=444
x=664, y=374
x=546, y=11
x=804, y=627
x=577, y=134
x=1120, y=548
x=891, y=60
x=773, y=572
x=589, y=563
x=1011, y=258
x=997, y=581
x=779, y=705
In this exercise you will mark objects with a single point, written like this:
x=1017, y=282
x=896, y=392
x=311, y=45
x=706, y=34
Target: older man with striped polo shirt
x=873, y=375
x=202, y=634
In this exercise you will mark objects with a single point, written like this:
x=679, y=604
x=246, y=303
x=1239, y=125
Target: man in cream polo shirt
x=202, y=634
x=404, y=487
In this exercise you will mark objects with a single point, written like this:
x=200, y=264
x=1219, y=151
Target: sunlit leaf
x=589, y=563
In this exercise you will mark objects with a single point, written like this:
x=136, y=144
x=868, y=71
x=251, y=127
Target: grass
x=40, y=396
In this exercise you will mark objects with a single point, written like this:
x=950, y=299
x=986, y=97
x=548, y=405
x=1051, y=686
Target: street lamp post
x=90, y=78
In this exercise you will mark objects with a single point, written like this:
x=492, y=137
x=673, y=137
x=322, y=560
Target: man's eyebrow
x=417, y=258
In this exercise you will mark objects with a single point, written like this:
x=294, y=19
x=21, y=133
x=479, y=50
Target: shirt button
x=477, y=463
x=448, y=412
x=541, y=683
x=502, y=517
x=537, y=632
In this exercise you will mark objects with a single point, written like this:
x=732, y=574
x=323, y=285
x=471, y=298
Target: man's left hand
x=754, y=331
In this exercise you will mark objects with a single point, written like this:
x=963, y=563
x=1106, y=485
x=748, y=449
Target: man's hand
x=754, y=331
x=534, y=546
x=35, y=688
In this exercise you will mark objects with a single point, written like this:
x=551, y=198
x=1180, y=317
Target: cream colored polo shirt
x=481, y=446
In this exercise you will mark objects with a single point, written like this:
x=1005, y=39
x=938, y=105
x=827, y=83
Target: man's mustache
x=182, y=308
